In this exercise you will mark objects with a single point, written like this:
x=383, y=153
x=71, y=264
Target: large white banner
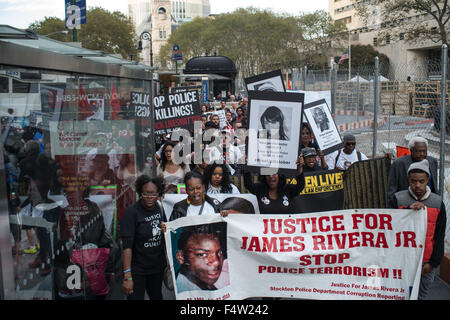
x=347, y=254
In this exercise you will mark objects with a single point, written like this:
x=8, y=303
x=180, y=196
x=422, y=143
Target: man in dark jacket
x=398, y=178
x=416, y=197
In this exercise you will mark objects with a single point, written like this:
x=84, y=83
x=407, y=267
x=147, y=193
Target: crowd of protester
x=29, y=166
x=276, y=196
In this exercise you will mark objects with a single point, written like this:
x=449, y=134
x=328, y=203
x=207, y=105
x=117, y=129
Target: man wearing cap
x=398, y=179
x=419, y=196
x=310, y=157
x=342, y=159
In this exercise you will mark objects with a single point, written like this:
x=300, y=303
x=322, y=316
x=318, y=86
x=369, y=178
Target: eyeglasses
x=149, y=195
x=350, y=143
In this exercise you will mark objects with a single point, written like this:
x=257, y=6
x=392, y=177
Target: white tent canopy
x=382, y=79
x=361, y=79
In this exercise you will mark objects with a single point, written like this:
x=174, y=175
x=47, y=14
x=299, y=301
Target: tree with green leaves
x=256, y=40
x=111, y=32
x=433, y=18
x=363, y=59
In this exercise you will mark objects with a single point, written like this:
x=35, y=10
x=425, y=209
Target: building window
x=4, y=85
x=402, y=36
x=388, y=39
x=375, y=41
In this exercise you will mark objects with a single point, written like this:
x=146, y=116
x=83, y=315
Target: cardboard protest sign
x=323, y=126
x=179, y=110
x=222, y=118
x=342, y=255
x=274, y=131
x=270, y=81
x=366, y=184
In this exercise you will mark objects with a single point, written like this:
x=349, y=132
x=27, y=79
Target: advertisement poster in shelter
x=93, y=154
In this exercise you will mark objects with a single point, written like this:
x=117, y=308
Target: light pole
x=146, y=36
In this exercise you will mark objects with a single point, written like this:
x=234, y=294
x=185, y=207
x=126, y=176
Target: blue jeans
x=425, y=284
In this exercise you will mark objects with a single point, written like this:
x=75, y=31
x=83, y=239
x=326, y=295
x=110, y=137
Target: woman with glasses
x=217, y=180
x=168, y=169
x=144, y=256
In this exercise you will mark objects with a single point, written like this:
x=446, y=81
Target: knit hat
x=420, y=165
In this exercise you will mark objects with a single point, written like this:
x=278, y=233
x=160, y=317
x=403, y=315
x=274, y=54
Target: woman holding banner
x=197, y=201
x=217, y=180
x=274, y=195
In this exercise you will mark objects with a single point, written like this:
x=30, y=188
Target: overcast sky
x=20, y=13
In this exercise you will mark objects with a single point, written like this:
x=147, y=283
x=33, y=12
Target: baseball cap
x=309, y=152
x=420, y=165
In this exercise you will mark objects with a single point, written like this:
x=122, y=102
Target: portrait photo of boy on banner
x=323, y=126
x=199, y=255
x=274, y=130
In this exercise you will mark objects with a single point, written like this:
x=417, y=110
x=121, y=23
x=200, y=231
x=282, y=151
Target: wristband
x=127, y=279
x=128, y=270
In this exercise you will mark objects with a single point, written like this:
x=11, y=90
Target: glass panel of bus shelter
x=81, y=180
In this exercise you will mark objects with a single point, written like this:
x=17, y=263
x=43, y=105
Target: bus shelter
x=72, y=149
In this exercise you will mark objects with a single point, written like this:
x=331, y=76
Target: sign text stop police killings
x=178, y=110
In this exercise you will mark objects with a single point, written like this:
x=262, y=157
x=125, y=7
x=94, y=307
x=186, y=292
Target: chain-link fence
x=408, y=104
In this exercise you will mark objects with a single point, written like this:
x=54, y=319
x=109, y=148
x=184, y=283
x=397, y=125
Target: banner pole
x=444, y=62
x=375, y=107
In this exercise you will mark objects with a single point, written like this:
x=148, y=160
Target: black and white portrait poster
x=323, y=126
x=274, y=131
x=270, y=81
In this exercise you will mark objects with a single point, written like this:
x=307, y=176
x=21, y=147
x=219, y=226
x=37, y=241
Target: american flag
x=344, y=56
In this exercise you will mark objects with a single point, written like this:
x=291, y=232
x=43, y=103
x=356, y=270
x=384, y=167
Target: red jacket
x=436, y=223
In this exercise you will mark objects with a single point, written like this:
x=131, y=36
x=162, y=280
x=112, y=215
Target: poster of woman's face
x=274, y=130
x=275, y=122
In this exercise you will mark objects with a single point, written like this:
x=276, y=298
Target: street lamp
x=146, y=36
x=62, y=31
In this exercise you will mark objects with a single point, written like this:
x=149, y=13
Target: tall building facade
x=407, y=59
x=160, y=18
